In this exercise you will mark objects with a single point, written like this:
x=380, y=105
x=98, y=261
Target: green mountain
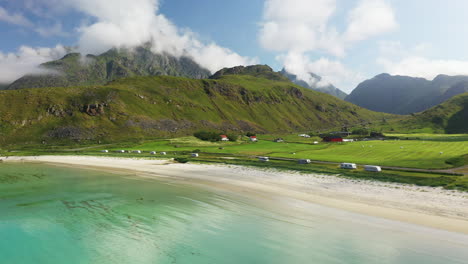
x=449, y=117
x=163, y=106
x=76, y=70
x=328, y=89
x=260, y=71
x=405, y=95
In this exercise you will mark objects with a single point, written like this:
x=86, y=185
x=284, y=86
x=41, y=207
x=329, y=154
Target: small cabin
x=194, y=155
x=137, y=151
x=105, y=151
x=253, y=138
x=278, y=140
x=350, y=166
x=372, y=168
x=153, y=152
x=333, y=138
x=163, y=153
x=224, y=138
x=264, y=159
x=304, y=161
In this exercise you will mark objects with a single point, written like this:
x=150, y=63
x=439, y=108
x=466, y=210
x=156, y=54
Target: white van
x=137, y=151
x=372, y=168
x=264, y=159
x=350, y=166
x=194, y=155
x=304, y=161
x=153, y=152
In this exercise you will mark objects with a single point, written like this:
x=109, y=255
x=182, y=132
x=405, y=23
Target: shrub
x=207, y=136
x=182, y=160
x=232, y=137
x=250, y=134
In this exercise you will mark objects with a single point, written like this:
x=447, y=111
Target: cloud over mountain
x=299, y=27
x=123, y=23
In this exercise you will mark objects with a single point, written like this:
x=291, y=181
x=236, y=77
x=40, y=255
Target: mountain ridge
x=75, y=70
x=403, y=94
x=328, y=89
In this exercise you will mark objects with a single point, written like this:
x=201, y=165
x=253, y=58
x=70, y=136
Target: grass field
x=424, y=154
x=434, y=152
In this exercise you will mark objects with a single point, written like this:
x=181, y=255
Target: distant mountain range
x=328, y=89
x=406, y=95
x=75, y=69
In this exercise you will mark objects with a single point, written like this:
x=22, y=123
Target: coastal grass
x=422, y=154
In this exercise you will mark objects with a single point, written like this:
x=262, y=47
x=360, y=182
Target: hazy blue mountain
x=329, y=89
x=405, y=95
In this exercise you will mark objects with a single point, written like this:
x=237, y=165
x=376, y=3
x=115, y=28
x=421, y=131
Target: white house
x=253, y=138
x=224, y=138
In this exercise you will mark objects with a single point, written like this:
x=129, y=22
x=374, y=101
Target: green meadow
x=423, y=154
x=422, y=151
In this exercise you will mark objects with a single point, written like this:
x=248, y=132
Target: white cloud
x=370, y=18
x=122, y=23
x=331, y=71
x=129, y=23
x=15, y=19
x=26, y=60
x=423, y=67
x=299, y=27
x=397, y=59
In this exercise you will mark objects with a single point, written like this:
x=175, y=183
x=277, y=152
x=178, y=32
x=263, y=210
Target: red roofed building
x=253, y=138
x=224, y=138
x=333, y=139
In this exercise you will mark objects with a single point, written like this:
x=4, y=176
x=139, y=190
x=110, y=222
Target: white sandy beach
x=431, y=207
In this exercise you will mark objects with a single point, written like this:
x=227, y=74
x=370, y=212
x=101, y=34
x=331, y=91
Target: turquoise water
x=63, y=215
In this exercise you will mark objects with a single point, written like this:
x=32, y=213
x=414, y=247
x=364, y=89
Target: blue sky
x=345, y=41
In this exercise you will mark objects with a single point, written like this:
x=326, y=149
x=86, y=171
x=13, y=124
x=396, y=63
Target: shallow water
x=63, y=215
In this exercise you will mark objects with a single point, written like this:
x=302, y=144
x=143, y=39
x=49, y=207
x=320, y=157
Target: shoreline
x=424, y=206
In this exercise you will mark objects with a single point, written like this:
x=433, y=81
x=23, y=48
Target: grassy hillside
x=449, y=117
x=148, y=107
